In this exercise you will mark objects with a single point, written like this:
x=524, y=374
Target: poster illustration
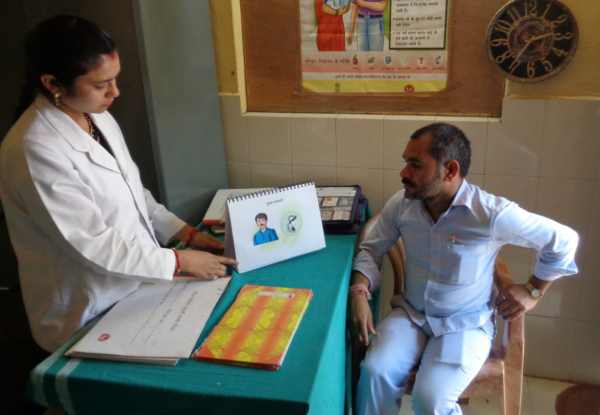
x=374, y=46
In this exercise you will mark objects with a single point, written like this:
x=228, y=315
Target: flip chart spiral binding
x=268, y=191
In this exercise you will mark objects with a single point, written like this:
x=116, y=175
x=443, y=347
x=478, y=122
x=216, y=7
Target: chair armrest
x=514, y=331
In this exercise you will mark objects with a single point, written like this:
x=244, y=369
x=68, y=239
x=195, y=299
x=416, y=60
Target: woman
x=85, y=231
x=330, y=24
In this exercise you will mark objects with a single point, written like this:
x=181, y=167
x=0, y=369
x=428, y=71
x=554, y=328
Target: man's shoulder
x=482, y=199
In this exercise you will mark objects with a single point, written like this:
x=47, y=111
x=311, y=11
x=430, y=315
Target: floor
x=539, y=396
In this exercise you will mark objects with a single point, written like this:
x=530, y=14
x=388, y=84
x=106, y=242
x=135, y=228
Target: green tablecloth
x=311, y=379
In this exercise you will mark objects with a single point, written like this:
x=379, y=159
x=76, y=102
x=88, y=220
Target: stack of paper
x=158, y=323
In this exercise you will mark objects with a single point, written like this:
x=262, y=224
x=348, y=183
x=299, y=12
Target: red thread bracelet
x=178, y=262
x=190, y=235
x=359, y=289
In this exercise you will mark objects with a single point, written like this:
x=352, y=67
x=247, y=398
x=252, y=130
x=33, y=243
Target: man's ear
x=452, y=170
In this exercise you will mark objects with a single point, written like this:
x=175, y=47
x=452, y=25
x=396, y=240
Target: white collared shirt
x=450, y=285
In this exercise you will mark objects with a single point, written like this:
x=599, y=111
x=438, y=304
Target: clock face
x=532, y=40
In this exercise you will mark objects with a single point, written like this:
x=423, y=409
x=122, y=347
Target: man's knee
x=428, y=400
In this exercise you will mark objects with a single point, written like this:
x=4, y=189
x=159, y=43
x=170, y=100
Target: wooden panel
x=271, y=33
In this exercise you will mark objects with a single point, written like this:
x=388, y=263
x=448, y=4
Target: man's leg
x=393, y=353
x=448, y=365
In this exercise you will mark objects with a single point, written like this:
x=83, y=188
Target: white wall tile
x=392, y=183
x=322, y=176
x=269, y=138
x=360, y=141
x=518, y=189
x=270, y=175
x=313, y=139
x=593, y=245
x=397, y=130
x=567, y=201
x=239, y=175
x=589, y=304
x=514, y=145
x=371, y=181
x=561, y=299
x=476, y=131
x=586, y=365
x=234, y=128
x=513, y=155
x=549, y=347
x=476, y=179
x=571, y=144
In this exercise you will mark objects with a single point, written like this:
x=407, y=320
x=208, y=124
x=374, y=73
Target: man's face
x=421, y=179
x=262, y=223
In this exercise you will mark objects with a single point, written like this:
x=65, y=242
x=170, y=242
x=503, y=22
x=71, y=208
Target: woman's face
x=95, y=91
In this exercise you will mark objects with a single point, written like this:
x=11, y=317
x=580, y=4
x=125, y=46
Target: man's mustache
x=408, y=183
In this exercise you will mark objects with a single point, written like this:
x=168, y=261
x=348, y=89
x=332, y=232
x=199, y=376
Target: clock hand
x=531, y=39
x=540, y=37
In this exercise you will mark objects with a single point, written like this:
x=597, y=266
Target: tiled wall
x=543, y=154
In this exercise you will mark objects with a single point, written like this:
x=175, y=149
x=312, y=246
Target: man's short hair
x=449, y=143
x=260, y=216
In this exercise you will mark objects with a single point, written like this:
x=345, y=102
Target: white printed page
x=157, y=320
x=272, y=227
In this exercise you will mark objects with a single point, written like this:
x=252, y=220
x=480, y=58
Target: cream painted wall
x=543, y=154
x=581, y=78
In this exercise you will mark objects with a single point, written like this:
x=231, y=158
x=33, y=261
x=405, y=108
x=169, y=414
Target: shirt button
x=144, y=235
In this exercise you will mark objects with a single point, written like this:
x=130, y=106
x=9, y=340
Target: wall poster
x=374, y=46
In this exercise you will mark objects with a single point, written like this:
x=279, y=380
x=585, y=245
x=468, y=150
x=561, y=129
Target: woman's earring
x=56, y=99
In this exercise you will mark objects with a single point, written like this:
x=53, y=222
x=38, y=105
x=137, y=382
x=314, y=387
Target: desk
x=311, y=380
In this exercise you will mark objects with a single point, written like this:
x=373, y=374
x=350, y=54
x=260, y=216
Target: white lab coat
x=84, y=229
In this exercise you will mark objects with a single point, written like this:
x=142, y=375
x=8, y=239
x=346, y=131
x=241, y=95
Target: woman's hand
x=203, y=264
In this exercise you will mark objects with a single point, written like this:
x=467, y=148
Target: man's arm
x=556, y=245
x=514, y=301
x=359, y=316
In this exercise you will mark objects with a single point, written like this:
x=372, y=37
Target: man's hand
x=204, y=242
x=204, y=265
x=514, y=301
x=360, y=320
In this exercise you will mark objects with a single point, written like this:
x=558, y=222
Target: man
x=264, y=234
x=452, y=232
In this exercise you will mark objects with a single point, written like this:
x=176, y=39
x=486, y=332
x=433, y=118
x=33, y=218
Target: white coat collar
x=80, y=141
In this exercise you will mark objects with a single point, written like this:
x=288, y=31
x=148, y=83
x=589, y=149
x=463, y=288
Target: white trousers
x=447, y=365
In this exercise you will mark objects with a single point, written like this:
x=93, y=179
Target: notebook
x=158, y=323
x=258, y=328
x=273, y=225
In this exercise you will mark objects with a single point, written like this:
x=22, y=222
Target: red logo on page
x=104, y=337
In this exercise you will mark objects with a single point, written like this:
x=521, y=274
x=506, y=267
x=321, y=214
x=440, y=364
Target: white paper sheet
x=158, y=323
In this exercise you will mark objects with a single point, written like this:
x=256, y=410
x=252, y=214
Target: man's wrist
x=359, y=289
x=533, y=291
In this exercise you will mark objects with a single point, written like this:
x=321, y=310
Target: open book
x=158, y=323
x=258, y=328
x=273, y=225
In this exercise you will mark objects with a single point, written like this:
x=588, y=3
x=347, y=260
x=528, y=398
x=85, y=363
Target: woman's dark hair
x=449, y=143
x=64, y=47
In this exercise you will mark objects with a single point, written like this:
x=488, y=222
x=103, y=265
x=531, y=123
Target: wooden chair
x=502, y=372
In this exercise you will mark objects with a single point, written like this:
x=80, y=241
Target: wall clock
x=532, y=40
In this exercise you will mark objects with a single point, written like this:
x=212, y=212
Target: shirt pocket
x=463, y=263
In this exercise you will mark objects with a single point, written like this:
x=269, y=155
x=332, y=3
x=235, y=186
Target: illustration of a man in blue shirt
x=264, y=234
